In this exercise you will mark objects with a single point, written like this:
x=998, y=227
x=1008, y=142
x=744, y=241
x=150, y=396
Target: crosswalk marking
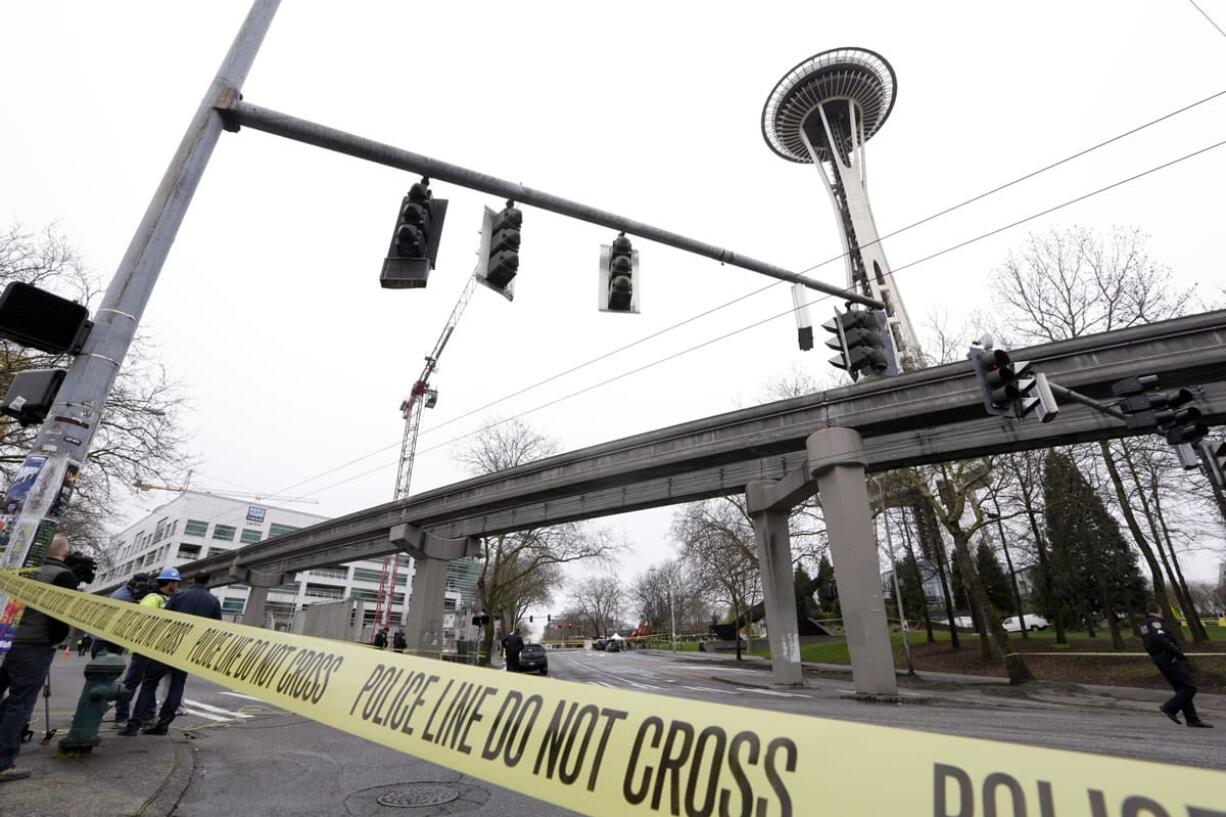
x=216, y=709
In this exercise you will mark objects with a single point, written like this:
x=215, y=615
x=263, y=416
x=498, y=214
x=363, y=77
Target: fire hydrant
x=101, y=687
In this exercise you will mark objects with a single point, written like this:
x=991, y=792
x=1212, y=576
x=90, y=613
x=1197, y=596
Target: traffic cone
x=65, y=652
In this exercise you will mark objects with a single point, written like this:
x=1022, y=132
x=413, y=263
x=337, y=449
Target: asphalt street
x=250, y=758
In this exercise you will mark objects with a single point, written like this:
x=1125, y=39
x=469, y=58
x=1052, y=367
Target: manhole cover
x=418, y=795
x=426, y=798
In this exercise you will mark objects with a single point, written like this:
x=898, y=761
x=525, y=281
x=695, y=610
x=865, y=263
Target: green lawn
x=835, y=650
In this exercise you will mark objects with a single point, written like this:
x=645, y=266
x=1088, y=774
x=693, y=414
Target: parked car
x=613, y=645
x=534, y=659
x=964, y=623
x=1034, y=623
x=599, y=644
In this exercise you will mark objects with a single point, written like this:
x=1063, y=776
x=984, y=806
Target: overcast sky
x=294, y=359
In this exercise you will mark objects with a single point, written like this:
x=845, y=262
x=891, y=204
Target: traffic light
x=415, y=239
x=1008, y=387
x=863, y=341
x=31, y=393
x=548, y=618
x=481, y=619
x=498, y=257
x=1165, y=411
x=619, y=274
x=530, y=619
x=32, y=317
x=1213, y=452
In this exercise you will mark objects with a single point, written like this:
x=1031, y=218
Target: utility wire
x=1204, y=14
x=785, y=313
x=999, y=188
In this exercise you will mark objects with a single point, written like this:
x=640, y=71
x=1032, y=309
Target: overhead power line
x=788, y=312
x=1204, y=14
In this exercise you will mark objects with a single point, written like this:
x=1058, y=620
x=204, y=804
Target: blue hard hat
x=170, y=574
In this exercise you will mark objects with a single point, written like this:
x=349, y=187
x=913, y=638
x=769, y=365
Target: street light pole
x=44, y=484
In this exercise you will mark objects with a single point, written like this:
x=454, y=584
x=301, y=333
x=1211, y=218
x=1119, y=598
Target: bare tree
x=140, y=436
x=600, y=601
x=718, y=548
x=522, y=569
x=1069, y=283
x=669, y=592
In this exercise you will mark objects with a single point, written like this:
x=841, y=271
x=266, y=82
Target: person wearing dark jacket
x=1173, y=665
x=513, y=645
x=194, y=601
x=25, y=667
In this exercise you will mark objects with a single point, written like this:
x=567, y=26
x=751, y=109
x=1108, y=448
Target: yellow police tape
x=604, y=751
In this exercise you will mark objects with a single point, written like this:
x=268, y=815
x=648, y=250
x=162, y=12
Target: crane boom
x=420, y=396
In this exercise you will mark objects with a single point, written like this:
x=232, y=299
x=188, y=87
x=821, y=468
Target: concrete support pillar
x=836, y=457
x=255, y=613
x=423, y=628
x=774, y=544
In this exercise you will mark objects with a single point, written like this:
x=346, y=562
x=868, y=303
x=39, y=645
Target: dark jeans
x=22, y=676
x=146, y=700
x=131, y=680
x=1180, y=679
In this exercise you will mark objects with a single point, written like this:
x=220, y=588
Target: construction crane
x=149, y=486
x=420, y=396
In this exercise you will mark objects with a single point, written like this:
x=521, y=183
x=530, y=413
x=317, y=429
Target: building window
x=275, y=530
x=292, y=589
x=224, y=532
x=361, y=574
x=187, y=551
x=255, y=514
x=324, y=591
x=232, y=605
x=194, y=527
x=250, y=536
x=330, y=572
x=160, y=530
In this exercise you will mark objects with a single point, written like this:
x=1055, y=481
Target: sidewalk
x=979, y=689
x=122, y=777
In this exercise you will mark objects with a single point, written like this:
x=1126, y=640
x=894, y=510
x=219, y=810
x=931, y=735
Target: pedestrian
x=399, y=644
x=81, y=646
x=1173, y=665
x=513, y=645
x=133, y=591
x=194, y=601
x=28, y=661
x=381, y=638
x=167, y=583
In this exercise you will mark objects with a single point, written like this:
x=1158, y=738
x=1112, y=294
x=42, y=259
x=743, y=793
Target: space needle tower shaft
x=823, y=112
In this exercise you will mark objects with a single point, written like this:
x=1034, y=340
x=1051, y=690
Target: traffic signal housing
x=31, y=393
x=498, y=255
x=415, y=239
x=37, y=319
x=1164, y=411
x=618, y=282
x=804, y=324
x=1213, y=453
x=862, y=339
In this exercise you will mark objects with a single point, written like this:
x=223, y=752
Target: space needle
x=822, y=112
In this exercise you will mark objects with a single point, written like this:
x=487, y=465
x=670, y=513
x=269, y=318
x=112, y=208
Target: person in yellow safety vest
x=146, y=699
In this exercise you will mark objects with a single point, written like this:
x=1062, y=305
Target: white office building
x=194, y=525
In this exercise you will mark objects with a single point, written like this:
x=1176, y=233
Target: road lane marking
x=710, y=689
x=241, y=695
x=208, y=716
x=216, y=709
x=772, y=692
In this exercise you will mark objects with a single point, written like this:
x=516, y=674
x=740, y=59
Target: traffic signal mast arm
x=238, y=113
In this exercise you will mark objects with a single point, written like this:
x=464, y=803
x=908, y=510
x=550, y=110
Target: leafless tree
x=669, y=592
x=523, y=568
x=718, y=548
x=1069, y=283
x=600, y=601
x=140, y=436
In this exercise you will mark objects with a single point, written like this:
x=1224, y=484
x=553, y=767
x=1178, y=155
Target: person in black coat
x=25, y=666
x=194, y=601
x=1173, y=665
